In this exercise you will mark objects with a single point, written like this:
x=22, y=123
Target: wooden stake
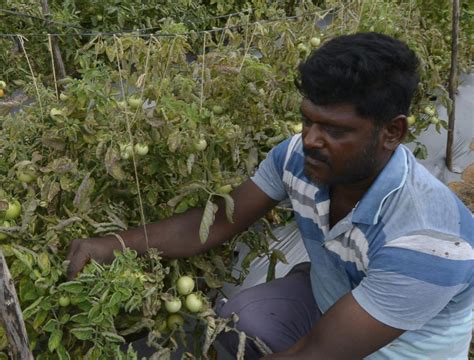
x=58, y=60
x=452, y=85
x=11, y=316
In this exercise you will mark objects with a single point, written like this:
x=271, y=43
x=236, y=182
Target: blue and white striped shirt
x=405, y=251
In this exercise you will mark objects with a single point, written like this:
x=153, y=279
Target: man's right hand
x=82, y=251
x=177, y=236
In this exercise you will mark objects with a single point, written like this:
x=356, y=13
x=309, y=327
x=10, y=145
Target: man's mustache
x=315, y=154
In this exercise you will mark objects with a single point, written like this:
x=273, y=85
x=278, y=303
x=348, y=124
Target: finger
x=72, y=249
x=78, y=261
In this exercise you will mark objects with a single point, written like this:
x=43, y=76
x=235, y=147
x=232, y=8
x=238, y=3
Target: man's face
x=340, y=147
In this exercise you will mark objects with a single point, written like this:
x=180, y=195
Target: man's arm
x=177, y=236
x=345, y=331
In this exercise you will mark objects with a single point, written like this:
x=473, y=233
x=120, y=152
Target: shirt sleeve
x=411, y=279
x=269, y=175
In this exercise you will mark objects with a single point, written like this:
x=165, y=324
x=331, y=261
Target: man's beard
x=359, y=167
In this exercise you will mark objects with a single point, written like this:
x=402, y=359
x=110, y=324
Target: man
x=390, y=246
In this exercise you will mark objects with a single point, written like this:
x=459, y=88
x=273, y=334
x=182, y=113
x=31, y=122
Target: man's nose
x=313, y=137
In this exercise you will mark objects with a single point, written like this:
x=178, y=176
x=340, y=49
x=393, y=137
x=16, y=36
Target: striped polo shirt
x=405, y=251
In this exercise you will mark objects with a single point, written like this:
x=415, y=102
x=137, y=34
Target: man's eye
x=335, y=132
x=306, y=121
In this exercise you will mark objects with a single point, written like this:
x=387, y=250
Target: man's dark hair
x=376, y=73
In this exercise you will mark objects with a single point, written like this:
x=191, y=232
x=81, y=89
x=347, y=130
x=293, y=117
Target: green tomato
x=174, y=321
x=303, y=48
x=315, y=41
x=200, y=145
x=64, y=301
x=224, y=189
x=163, y=327
x=173, y=306
x=122, y=105
x=141, y=149
x=26, y=176
x=13, y=211
x=3, y=84
x=55, y=112
x=434, y=120
x=3, y=236
x=411, y=120
x=429, y=110
x=185, y=285
x=194, y=303
x=217, y=109
x=135, y=102
x=126, y=151
x=63, y=96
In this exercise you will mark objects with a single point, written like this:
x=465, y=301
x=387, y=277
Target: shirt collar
x=390, y=179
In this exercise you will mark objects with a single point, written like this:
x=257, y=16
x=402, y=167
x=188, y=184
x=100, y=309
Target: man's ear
x=394, y=132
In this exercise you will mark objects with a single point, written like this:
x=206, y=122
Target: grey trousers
x=279, y=312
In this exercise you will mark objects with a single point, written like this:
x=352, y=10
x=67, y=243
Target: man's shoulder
x=425, y=204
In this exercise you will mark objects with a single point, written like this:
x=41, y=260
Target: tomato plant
x=197, y=124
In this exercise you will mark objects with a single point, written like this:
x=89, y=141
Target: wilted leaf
x=53, y=142
x=241, y=347
x=201, y=263
x=229, y=207
x=212, y=281
x=82, y=198
x=112, y=164
x=60, y=166
x=174, y=141
x=190, y=162
x=208, y=217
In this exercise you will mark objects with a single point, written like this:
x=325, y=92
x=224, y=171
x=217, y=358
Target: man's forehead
x=341, y=112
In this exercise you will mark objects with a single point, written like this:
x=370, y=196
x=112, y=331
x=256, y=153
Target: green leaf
x=51, y=325
x=229, y=207
x=115, y=299
x=207, y=220
x=32, y=309
x=44, y=263
x=278, y=255
x=27, y=290
x=83, y=333
x=62, y=353
x=110, y=336
x=271, y=268
x=73, y=287
x=80, y=318
x=251, y=256
x=39, y=319
x=55, y=339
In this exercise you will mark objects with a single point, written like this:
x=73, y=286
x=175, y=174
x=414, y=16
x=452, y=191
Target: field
x=157, y=110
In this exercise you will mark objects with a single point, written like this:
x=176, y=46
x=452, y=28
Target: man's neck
x=344, y=197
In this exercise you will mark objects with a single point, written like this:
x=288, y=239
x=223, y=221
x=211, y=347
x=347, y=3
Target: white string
x=129, y=131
